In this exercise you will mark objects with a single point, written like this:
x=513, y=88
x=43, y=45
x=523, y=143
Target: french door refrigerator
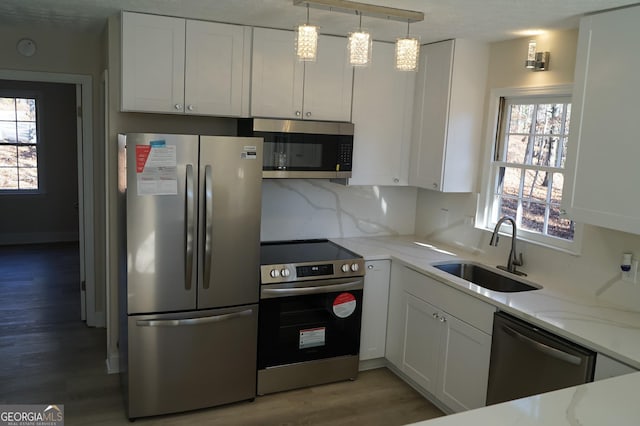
x=189, y=276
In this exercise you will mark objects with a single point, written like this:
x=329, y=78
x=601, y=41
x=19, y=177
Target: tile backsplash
x=311, y=208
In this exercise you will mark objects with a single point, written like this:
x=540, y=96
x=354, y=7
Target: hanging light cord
x=307, y=13
x=408, y=22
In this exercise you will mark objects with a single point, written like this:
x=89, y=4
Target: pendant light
x=307, y=41
x=407, y=52
x=360, y=46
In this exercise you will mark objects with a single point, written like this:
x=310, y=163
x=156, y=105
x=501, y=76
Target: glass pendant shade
x=307, y=42
x=360, y=46
x=407, y=53
x=531, y=55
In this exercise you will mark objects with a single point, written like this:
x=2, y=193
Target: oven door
x=308, y=321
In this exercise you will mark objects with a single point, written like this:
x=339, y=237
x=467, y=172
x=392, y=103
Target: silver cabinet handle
x=178, y=107
x=541, y=347
x=267, y=293
x=442, y=319
x=435, y=185
x=396, y=180
x=191, y=107
x=189, y=241
x=208, y=226
x=434, y=315
x=193, y=321
x=369, y=266
x=308, y=114
x=298, y=113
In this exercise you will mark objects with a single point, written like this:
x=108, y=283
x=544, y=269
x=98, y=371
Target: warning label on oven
x=344, y=305
x=312, y=337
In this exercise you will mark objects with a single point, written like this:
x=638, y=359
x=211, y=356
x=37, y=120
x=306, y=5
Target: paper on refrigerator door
x=156, y=169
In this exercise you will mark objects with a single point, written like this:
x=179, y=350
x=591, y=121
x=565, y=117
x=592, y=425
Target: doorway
x=82, y=84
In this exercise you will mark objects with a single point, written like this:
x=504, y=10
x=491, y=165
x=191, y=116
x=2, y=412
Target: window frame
x=38, y=96
x=493, y=145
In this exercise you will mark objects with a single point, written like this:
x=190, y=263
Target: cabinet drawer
x=466, y=308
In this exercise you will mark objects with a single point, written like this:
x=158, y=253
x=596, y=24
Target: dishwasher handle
x=541, y=347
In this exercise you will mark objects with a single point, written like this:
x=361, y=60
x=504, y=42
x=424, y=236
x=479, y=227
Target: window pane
x=8, y=178
x=8, y=131
x=556, y=188
x=520, y=118
x=516, y=148
x=544, y=151
x=8, y=155
x=26, y=109
x=508, y=207
x=549, y=119
x=533, y=216
x=7, y=109
x=28, y=156
x=564, y=152
x=536, y=185
x=509, y=181
x=558, y=226
x=568, y=120
x=27, y=132
x=28, y=178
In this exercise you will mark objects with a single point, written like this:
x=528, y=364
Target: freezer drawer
x=190, y=360
x=526, y=360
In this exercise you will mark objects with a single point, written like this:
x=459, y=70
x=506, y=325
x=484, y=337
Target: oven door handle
x=269, y=293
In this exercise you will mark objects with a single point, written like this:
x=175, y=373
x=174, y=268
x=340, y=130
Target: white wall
x=297, y=208
x=447, y=217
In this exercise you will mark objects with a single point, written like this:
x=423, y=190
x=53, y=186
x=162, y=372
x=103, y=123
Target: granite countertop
x=602, y=327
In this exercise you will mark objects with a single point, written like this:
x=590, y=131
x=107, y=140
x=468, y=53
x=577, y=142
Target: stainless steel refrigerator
x=189, y=212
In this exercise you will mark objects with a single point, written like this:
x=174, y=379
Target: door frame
x=84, y=102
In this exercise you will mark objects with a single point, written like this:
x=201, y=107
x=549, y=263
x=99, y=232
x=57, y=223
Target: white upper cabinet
x=448, y=114
x=173, y=65
x=382, y=115
x=602, y=176
x=283, y=87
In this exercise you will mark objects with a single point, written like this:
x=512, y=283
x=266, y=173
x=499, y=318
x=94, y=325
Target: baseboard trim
x=37, y=237
x=113, y=364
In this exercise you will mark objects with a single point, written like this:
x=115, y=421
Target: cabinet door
x=382, y=115
x=464, y=369
x=276, y=77
x=373, y=333
x=421, y=342
x=432, y=109
x=395, y=317
x=602, y=159
x=152, y=63
x=215, y=59
x=328, y=82
x=448, y=115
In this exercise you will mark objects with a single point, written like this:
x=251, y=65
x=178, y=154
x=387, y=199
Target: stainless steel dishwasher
x=526, y=360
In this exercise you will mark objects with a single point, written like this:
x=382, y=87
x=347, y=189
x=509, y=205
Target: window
x=526, y=172
x=18, y=144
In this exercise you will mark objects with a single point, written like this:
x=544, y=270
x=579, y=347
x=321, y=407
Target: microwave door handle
x=208, y=225
x=541, y=347
x=189, y=227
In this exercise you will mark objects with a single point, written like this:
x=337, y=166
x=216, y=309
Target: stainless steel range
x=309, y=315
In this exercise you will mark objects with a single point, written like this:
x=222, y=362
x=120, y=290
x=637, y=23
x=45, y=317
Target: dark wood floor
x=47, y=356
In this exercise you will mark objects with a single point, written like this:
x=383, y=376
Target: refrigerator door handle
x=194, y=321
x=541, y=347
x=208, y=225
x=189, y=224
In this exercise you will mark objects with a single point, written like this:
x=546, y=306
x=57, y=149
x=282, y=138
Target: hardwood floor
x=49, y=356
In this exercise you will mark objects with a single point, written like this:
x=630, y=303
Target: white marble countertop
x=602, y=327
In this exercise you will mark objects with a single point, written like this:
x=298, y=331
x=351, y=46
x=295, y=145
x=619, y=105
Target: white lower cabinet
x=373, y=333
x=445, y=352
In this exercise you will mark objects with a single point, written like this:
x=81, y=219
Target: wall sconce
x=306, y=41
x=407, y=52
x=536, y=61
x=360, y=46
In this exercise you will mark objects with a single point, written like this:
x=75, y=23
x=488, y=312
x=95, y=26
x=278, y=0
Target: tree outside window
x=18, y=144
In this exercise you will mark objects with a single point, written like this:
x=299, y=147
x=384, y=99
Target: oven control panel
x=270, y=274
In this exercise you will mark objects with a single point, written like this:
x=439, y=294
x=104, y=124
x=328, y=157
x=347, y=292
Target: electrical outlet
x=631, y=276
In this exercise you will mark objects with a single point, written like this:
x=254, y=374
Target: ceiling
x=488, y=20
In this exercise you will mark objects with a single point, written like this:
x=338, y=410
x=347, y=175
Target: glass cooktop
x=303, y=251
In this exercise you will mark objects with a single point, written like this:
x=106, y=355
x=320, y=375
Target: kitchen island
x=603, y=327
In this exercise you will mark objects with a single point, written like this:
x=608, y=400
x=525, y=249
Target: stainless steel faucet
x=514, y=260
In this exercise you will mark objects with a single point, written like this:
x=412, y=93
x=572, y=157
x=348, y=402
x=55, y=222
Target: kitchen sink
x=485, y=277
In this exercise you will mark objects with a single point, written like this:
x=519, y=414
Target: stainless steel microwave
x=302, y=148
